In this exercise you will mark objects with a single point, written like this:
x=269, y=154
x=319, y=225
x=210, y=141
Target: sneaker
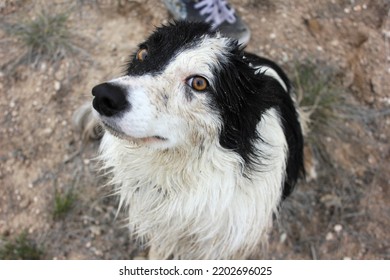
x=216, y=12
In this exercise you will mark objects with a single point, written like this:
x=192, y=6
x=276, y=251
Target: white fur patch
x=196, y=203
x=268, y=71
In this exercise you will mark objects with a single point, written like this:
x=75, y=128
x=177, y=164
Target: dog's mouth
x=119, y=134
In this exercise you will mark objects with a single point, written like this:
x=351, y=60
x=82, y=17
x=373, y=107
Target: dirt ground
x=341, y=210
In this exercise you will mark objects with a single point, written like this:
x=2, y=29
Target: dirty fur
x=201, y=173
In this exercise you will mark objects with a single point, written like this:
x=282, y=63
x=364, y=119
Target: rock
x=95, y=230
x=338, y=228
x=329, y=236
x=57, y=86
x=47, y=131
x=330, y=200
x=283, y=237
x=313, y=26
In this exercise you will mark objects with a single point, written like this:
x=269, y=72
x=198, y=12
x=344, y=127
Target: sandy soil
x=341, y=212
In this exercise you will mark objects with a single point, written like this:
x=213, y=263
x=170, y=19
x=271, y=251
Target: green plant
x=21, y=248
x=63, y=203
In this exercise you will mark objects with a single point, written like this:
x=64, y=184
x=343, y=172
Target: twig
x=313, y=252
x=72, y=156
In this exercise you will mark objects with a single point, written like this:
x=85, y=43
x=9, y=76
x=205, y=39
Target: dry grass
x=333, y=197
x=21, y=248
x=319, y=99
x=47, y=36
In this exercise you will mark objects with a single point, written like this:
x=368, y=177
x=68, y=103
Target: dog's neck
x=168, y=168
x=181, y=188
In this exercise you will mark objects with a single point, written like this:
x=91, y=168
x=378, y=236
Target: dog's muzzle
x=109, y=99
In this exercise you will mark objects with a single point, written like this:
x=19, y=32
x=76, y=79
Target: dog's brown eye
x=198, y=83
x=142, y=54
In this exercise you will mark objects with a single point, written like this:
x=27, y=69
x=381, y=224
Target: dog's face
x=186, y=86
x=165, y=99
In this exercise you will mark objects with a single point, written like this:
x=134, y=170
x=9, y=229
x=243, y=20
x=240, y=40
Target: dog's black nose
x=109, y=99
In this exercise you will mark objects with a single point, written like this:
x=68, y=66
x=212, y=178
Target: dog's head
x=166, y=97
x=187, y=84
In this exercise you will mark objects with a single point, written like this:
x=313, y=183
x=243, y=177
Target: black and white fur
x=201, y=173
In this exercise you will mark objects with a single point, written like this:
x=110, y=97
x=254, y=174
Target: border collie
x=203, y=141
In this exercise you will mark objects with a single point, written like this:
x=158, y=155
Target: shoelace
x=218, y=11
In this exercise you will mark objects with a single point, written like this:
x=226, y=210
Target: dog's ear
x=242, y=97
x=244, y=93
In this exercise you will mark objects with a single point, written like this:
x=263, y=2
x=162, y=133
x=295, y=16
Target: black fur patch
x=242, y=97
x=164, y=44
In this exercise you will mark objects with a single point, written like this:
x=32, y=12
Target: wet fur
x=208, y=186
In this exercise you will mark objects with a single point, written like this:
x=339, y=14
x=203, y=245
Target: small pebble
x=283, y=237
x=97, y=252
x=338, y=228
x=57, y=85
x=334, y=43
x=95, y=230
x=329, y=236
